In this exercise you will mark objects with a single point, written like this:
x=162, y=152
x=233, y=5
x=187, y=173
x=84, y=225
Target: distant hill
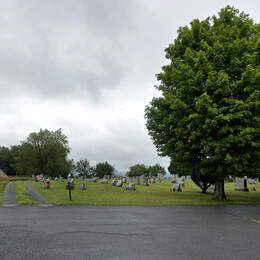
x=120, y=173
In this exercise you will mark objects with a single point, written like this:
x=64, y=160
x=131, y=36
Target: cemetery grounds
x=105, y=194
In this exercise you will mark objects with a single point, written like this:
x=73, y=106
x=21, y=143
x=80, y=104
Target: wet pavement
x=9, y=194
x=104, y=232
x=35, y=195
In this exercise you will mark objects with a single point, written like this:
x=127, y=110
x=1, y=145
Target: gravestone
x=119, y=183
x=130, y=186
x=176, y=187
x=95, y=179
x=114, y=181
x=146, y=181
x=83, y=185
x=211, y=188
x=47, y=183
x=241, y=184
x=252, y=181
x=104, y=181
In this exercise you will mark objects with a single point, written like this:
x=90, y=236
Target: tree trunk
x=220, y=190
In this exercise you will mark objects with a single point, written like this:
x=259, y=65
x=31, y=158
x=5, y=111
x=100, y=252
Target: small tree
x=83, y=168
x=156, y=169
x=104, y=168
x=137, y=170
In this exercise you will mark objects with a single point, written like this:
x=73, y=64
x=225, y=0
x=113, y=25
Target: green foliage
x=45, y=153
x=103, y=168
x=7, y=159
x=156, y=169
x=204, y=181
x=137, y=170
x=21, y=194
x=83, y=168
x=3, y=184
x=207, y=119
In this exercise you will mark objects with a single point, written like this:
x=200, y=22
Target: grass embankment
x=155, y=194
x=21, y=194
x=2, y=189
x=20, y=178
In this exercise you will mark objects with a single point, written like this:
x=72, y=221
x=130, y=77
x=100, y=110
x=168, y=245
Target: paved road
x=35, y=195
x=77, y=232
x=9, y=195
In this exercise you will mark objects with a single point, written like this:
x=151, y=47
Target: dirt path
x=9, y=195
x=35, y=194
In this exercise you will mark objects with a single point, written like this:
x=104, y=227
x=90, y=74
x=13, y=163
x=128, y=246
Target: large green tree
x=45, y=152
x=7, y=159
x=156, y=169
x=137, y=170
x=207, y=118
x=103, y=169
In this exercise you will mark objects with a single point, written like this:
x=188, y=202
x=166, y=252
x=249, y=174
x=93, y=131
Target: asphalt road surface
x=96, y=232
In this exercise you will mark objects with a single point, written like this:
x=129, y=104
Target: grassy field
x=21, y=194
x=155, y=194
x=2, y=188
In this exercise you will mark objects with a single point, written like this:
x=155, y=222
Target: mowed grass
x=21, y=194
x=155, y=194
x=2, y=189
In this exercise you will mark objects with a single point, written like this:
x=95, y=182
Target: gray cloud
x=54, y=48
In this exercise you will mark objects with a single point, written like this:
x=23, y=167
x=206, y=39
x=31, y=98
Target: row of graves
x=44, y=179
x=241, y=184
x=245, y=184
x=130, y=183
x=177, y=183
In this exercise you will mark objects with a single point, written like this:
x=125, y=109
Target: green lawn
x=155, y=194
x=21, y=194
x=2, y=188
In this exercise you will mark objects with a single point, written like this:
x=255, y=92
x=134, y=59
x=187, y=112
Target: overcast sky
x=89, y=68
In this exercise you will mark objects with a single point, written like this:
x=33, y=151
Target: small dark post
x=69, y=189
x=69, y=184
x=245, y=184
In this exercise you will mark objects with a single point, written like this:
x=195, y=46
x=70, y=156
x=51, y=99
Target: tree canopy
x=141, y=169
x=207, y=118
x=7, y=159
x=137, y=170
x=104, y=168
x=44, y=152
x=156, y=169
x=83, y=168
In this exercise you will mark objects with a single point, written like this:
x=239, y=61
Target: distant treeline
x=46, y=152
